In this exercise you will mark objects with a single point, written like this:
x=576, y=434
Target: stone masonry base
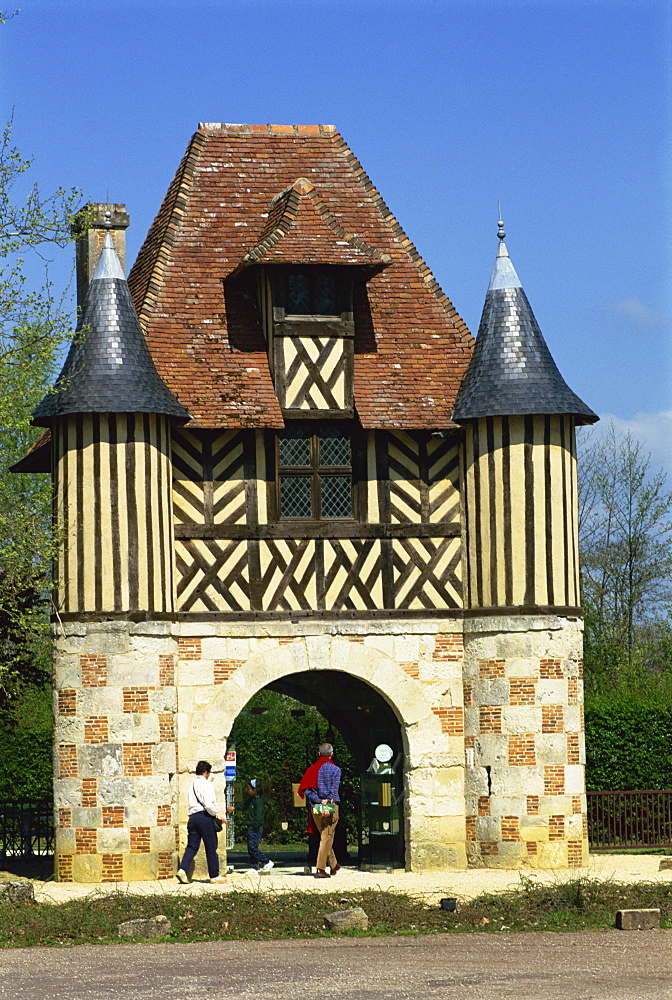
x=136, y=705
x=524, y=742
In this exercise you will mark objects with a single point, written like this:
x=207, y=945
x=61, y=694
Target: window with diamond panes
x=315, y=473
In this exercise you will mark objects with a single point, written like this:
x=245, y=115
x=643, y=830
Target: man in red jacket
x=319, y=785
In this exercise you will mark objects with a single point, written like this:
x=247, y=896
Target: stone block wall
x=136, y=705
x=115, y=765
x=524, y=742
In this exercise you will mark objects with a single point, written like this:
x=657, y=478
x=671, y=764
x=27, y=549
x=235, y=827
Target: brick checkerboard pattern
x=115, y=751
x=522, y=713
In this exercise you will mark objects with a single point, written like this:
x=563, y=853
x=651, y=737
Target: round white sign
x=383, y=753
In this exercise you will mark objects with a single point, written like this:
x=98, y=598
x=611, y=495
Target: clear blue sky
x=560, y=108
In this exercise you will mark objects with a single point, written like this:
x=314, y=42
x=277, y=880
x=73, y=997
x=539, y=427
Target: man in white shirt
x=200, y=826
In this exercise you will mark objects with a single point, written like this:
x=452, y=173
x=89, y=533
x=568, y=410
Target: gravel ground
x=591, y=965
x=430, y=886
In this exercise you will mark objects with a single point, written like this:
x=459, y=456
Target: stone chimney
x=89, y=231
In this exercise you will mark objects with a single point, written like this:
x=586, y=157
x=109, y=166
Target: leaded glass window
x=315, y=473
x=298, y=294
x=309, y=291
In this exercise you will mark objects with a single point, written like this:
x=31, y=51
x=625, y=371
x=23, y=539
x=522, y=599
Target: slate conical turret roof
x=109, y=368
x=511, y=371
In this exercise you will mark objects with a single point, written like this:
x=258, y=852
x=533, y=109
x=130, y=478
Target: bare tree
x=625, y=532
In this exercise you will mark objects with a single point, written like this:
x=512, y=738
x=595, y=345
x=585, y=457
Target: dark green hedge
x=628, y=743
x=25, y=764
x=26, y=729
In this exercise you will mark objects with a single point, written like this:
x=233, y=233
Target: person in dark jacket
x=255, y=811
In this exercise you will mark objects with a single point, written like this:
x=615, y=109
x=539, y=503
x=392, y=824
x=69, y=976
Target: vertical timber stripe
x=163, y=460
x=478, y=514
x=79, y=483
x=113, y=513
x=131, y=512
x=565, y=509
x=548, y=486
x=530, y=549
x=115, y=537
x=574, y=518
x=521, y=510
x=149, y=477
x=97, y=515
x=494, y=515
x=262, y=477
x=466, y=473
x=383, y=477
x=506, y=517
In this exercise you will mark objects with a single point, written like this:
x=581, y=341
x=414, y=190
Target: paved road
x=592, y=965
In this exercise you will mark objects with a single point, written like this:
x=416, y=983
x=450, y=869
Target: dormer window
x=310, y=333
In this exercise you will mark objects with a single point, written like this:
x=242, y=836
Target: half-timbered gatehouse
x=279, y=460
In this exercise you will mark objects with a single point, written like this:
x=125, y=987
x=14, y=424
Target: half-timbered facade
x=279, y=461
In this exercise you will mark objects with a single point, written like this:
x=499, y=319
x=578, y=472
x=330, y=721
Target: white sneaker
x=251, y=871
x=182, y=877
x=218, y=878
x=267, y=867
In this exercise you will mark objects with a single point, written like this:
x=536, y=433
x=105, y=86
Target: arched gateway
x=433, y=760
x=277, y=454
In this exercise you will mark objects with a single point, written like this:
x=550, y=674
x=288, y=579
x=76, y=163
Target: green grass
x=666, y=851
x=576, y=905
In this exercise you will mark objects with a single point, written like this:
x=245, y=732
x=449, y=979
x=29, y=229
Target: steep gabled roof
x=205, y=333
x=108, y=368
x=512, y=372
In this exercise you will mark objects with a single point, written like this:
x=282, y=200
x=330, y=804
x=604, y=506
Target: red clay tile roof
x=301, y=230
x=411, y=347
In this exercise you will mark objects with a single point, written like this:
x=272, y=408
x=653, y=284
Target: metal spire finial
x=108, y=219
x=500, y=231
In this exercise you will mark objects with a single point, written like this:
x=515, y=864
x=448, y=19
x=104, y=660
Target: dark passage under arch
x=365, y=720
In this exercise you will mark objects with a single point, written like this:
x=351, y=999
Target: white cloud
x=632, y=310
x=653, y=430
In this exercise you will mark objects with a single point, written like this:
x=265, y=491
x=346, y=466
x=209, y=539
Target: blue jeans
x=254, y=835
x=201, y=828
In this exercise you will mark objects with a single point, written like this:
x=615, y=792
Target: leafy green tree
x=33, y=330
x=625, y=535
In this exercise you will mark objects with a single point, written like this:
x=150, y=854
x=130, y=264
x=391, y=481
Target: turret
x=109, y=415
x=523, y=722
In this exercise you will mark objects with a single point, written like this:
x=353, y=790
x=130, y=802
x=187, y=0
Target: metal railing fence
x=26, y=828
x=632, y=819
x=629, y=819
